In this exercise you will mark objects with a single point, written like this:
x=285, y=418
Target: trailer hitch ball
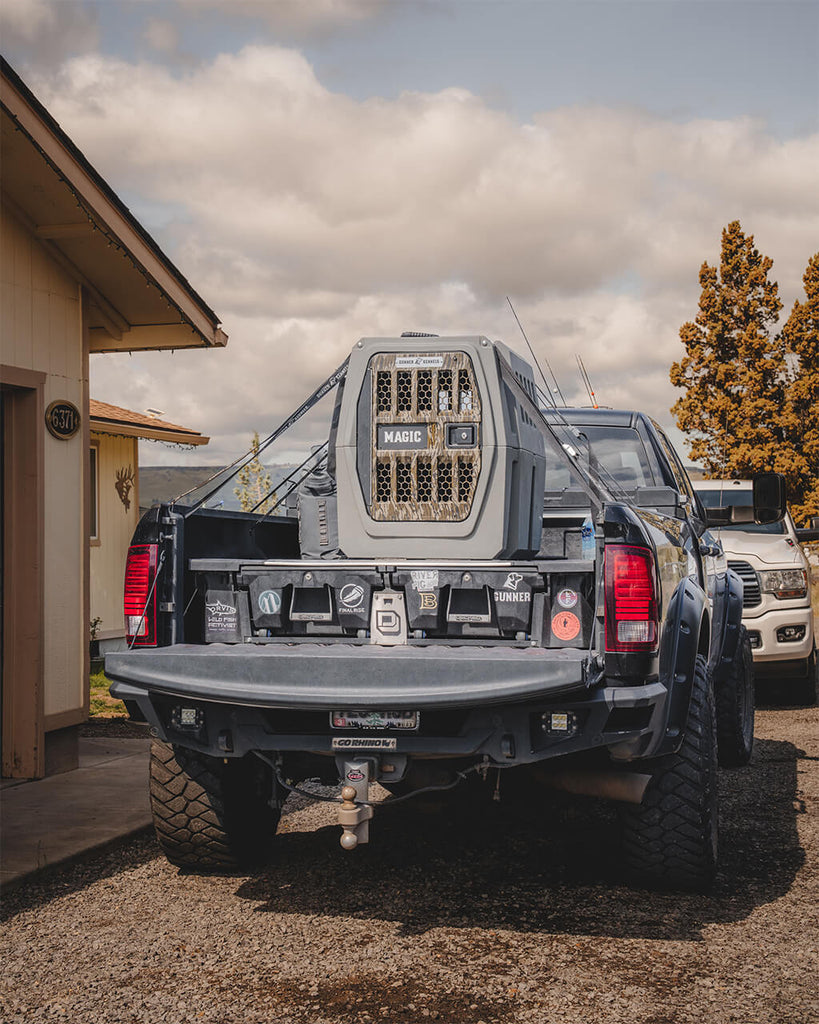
x=354, y=819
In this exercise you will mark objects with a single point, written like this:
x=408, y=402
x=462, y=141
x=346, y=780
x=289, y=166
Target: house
x=79, y=276
x=114, y=503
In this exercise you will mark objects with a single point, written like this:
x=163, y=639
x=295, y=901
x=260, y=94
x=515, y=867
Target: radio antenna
x=537, y=364
x=585, y=378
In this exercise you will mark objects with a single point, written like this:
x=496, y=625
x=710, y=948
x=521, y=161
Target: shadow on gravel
x=493, y=867
x=61, y=880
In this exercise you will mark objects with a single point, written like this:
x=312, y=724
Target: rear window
x=617, y=452
x=743, y=499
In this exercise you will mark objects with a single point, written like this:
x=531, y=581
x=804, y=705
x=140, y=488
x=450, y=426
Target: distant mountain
x=164, y=483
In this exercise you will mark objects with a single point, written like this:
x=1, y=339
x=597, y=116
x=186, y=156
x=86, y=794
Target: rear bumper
x=329, y=676
x=493, y=702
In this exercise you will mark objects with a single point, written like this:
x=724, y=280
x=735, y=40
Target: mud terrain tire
x=208, y=815
x=669, y=841
x=735, y=707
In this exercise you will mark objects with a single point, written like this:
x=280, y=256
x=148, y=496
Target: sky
x=323, y=170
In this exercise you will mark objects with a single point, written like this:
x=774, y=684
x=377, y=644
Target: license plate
x=390, y=721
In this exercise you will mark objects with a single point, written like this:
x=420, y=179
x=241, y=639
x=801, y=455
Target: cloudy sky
x=322, y=170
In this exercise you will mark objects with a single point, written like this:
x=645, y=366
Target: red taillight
x=139, y=603
x=631, y=599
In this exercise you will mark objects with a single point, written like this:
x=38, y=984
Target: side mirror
x=807, y=534
x=770, y=503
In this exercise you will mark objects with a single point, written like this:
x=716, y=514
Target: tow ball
x=354, y=813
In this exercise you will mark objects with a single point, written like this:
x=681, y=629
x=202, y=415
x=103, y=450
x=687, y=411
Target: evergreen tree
x=800, y=336
x=254, y=483
x=732, y=373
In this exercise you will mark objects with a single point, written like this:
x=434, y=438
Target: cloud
x=161, y=35
x=308, y=219
x=298, y=18
x=46, y=31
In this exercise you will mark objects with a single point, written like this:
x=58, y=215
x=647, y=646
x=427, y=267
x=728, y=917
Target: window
x=617, y=452
x=94, y=493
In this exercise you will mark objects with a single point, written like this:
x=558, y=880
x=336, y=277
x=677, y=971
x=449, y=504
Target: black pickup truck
x=473, y=580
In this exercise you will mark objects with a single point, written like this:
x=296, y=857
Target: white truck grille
x=751, y=594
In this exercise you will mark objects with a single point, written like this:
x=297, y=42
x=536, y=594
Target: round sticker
x=565, y=625
x=352, y=595
x=270, y=602
x=567, y=598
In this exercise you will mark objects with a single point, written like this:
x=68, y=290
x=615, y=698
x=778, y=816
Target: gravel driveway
x=443, y=918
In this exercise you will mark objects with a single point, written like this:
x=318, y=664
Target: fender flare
x=727, y=623
x=686, y=634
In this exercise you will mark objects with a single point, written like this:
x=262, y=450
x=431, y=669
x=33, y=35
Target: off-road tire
x=210, y=815
x=669, y=841
x=805, y=687
x=735, y=707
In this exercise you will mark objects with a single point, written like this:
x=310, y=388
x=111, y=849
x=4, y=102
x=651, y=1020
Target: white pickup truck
x=776, y=577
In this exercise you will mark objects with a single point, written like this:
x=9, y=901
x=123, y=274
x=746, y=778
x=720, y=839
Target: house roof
x=138, y=299
x=113, y=419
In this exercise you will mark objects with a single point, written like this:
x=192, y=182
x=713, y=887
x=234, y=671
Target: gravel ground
x=442, y=917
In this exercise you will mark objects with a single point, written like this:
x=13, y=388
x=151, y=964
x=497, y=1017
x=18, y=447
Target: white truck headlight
x=784, y=583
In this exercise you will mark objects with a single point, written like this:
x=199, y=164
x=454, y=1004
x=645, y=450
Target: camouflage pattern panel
x=426, y=437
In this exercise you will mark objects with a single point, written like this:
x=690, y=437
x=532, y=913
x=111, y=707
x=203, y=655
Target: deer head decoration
x=124, y=483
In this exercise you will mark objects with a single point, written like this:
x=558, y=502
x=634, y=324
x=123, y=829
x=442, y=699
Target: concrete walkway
x=50, y=821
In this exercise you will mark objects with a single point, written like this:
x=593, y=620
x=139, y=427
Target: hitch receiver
x=354, y=814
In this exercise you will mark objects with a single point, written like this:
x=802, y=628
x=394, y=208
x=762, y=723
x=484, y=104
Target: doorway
x=21, y=562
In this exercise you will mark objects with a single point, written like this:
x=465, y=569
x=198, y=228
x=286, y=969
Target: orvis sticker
x=221, y=616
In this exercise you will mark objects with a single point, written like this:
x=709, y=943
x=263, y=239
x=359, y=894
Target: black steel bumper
x=473, y=701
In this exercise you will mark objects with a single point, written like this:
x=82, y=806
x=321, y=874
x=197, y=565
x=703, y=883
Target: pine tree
x=733, y=374
x=800, y=337
x=254, y=483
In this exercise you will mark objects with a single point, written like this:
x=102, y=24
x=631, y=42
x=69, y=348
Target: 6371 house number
x=62, y=419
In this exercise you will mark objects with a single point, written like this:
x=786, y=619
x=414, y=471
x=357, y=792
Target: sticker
x=424, y=579
x=355, y=775
x=428, y=602
x=565, y=625
x=364, y=743
x=400, y=436
x=422, y=361
x=504, y=597
x=270, y=602
x=567, y=598
x=352, y=595
x=512, y=581
x=221, y=617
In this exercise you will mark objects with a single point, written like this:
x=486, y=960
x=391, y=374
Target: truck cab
x=776, y=578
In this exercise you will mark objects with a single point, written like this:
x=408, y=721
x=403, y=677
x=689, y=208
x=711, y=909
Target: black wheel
x=735, y=707
x=670, y=839
x=210, y=815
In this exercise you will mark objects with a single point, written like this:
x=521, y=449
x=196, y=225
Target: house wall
x=41, y=327
x=116, y=526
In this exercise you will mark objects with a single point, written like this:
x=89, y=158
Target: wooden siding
x=41, y=330
x=116, y=526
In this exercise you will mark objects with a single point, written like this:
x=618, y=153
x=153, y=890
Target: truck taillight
x=631, y=599
x=139, y=603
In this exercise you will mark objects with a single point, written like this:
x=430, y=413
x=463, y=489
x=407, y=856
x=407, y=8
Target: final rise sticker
x=565, y=626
